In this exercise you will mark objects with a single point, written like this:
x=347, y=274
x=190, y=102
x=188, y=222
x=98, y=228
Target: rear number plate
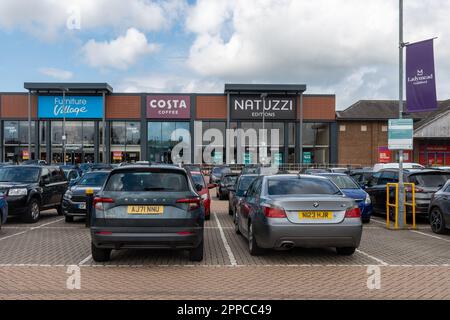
x=135, y=210
x=315, y=215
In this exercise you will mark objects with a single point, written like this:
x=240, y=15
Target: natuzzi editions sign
x=276, y=108
x=74, y=107
x=164, y=106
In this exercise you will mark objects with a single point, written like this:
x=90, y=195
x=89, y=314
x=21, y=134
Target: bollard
x=89, y=203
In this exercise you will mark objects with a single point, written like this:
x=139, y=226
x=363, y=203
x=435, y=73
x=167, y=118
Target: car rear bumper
x=146, y=238
x=275, y=235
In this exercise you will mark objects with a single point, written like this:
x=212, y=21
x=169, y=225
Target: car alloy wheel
x=35, y=210
x=437, y=221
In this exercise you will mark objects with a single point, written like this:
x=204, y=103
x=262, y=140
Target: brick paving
x=34, y=261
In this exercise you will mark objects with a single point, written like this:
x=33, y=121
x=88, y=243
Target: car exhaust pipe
x=287, y=244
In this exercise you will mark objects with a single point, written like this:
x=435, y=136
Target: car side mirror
x=212, y=186
x=45, y=181
x=245, y=194
x=198, y=187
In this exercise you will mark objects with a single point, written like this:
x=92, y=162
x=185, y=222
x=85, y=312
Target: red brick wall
x=357, y=147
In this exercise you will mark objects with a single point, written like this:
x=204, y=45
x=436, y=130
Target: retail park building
x=139, y=126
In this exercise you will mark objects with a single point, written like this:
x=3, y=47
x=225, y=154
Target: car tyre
x=196, y=254
x=253, y=247
x=68, y=219
x=33, y=211
x=366, y=220
x=60, y=211
x=346, y=251
x=236, y=225
x=437, y=221
x=230, y=212
x=208, y=217
x=221, y=196
x=100, y=254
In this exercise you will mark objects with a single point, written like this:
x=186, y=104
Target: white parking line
x=430, y=235
x=30, y=229
x=85, y=260
x=372, y=257
x=225, y=242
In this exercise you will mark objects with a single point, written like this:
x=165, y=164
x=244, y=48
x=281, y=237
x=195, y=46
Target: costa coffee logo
x=168, y=106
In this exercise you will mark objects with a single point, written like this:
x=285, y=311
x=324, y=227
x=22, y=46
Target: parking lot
x=35, y=261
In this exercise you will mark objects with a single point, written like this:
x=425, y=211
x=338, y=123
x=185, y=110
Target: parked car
x=3, y=209
x=352, y=190
x=72, y=176
x=99, y=166
x=68, y=167
x=361, y=176
x=340, y=170
x=216, y=173
x=237, y=192
x=439, y=210
x=34, y=163
x=228, y=180
x=192, y=167
x=314, y=171
x=406, y=165
x=251, y=169
x=74, y=200
x=286, y=211
x=30, y=189
x=426, y=181
x=147, y=207
x=199, y=180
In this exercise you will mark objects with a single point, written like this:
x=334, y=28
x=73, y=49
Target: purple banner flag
x=420, y=77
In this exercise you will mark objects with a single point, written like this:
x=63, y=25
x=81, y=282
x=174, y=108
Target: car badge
x=315, y=204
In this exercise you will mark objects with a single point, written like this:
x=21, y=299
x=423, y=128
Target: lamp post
x=64, y=138
x=401, y=202
x=264, y=143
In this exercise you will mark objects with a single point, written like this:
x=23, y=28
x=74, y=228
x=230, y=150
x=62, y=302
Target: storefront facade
x=69, y=120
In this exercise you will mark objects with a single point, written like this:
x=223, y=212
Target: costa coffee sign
x=172, y=107
x=272, y=108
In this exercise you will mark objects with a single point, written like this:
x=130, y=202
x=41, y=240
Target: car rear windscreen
x=431, y=180
x=301, y=186
x=147, y=181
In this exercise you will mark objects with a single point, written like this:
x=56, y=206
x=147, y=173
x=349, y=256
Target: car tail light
x=274, y=212
x=193, y=203
x=98, y=202
x=185, y=233
x=105, y=233
x=353, y=213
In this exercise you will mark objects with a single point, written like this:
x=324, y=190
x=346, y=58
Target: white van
x=406, y=165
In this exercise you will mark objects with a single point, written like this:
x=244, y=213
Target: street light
x=64, y=138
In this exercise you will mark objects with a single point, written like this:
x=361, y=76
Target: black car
x=74, y=201
x=30, y=189
x=147, y=207
x=439, y=210
x=217, y=172
x=236, y=193
x=426, y=181
x=361, y=176
x=228, y=180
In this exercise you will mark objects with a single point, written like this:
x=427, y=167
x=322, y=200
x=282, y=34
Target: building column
x=333, y=157
x=2, y=153
x=144, y=129
x=96, y=142
x=107, y=143
x=299, y=133
x=192, y=124
x=37, y=142
x=48, y=141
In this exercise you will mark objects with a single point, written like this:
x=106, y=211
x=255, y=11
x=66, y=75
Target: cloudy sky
x=345, y=47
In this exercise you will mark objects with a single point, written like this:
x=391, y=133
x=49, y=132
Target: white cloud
x=169, y=83
x=119, y=53
x=56, y=73
x=345, y=47
x=47, y=19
